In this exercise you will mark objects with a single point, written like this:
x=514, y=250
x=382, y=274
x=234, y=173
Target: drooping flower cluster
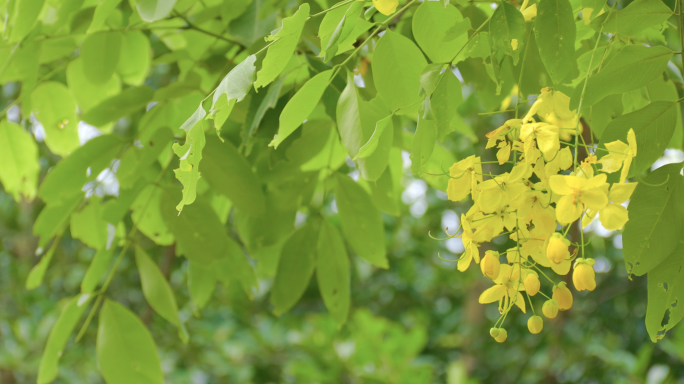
x=535, y=204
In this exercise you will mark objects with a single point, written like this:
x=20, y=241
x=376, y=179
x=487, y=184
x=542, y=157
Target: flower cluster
x=535, y=204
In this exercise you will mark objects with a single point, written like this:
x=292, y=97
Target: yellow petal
x=566, y=211
x=595, y=182
x=504, y=154
x=595, y=198
x=559, y=185
x=520, y=302
x=386, y=7
x=631, y=139
x=613, y=217
x=458, y=189
x=621, y=192
x=464, y=261
x=530, y=12
x=562, y=268
x=492, y=294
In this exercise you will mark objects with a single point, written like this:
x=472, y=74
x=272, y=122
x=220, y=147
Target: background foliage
x=102, y=99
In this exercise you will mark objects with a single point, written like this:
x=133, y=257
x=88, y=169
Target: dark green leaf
x=100, y=54
x=440, y=31
x=332, y=272
x=297, y=262
x=554, y=30
x=361, y=221
x=656, y=220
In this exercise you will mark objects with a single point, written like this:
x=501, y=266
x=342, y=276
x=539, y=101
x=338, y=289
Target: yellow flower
x=620, y=156
x=500, y=133
x=506, y=289
x=491, y=265
x=530, y=13
x=508, y=189
x=532, y=283
x=563, y=296
x=557, y=249
x=501, y=336
x=535, y=324
x=550, y=308
x=584, y=276
x=386, y=7
x=465, y=176
x=613, y=216
x=471, y=243
x=504, y=152
x=578, y=193
x=553, y=105
x=546, y=136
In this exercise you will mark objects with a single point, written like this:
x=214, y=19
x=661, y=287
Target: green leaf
x=224, y=168
x=59, y=336
x=284, y=43
x=158, y=292
x=19, y=159
x=356, y=121
x=100, y=54
x=147, y=215
x=634, y=18
x=116, y=107
x=444, y=101
x=133, y=68
x=153, y=10
x=332, y=272
x=152, y=141
x=102, y=12
x=300, y=106
x=665, y=90
x=338, y=27
x=653, y=126
x=54, y=107
x=268, y=102
x=96, y=269
x=52, y=220
x=554, y=30
x=296, y=265
x=24, y=17
x=190, y=155
x=249, y=27
x=397, y=66
x=507, y=24
x=235, y=87
x=361, y=221
x=423, y=144
x=665, y=292
x=125, y=349
x=656, y=220
x=440, y=31
x=372, y=144
x=635, y=66
x=202, y=239
x=87, y=94
x=88, y=226
x=70, y=175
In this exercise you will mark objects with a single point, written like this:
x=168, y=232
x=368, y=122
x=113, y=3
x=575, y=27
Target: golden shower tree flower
x=464, y=177
x=506, y=290
x=584, y=276
x=563, y=296
x=578, y=194
x=620, y=156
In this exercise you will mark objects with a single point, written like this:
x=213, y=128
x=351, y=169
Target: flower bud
x=563, y=296
x=535, y=324
x=490, y=264
x=531, y=283
x=557, y=249
x=494, y=332
x=584, y=276
x=550, y=309
x=501, y=337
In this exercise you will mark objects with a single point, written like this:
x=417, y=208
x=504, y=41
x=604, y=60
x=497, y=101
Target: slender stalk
x=112, y=272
